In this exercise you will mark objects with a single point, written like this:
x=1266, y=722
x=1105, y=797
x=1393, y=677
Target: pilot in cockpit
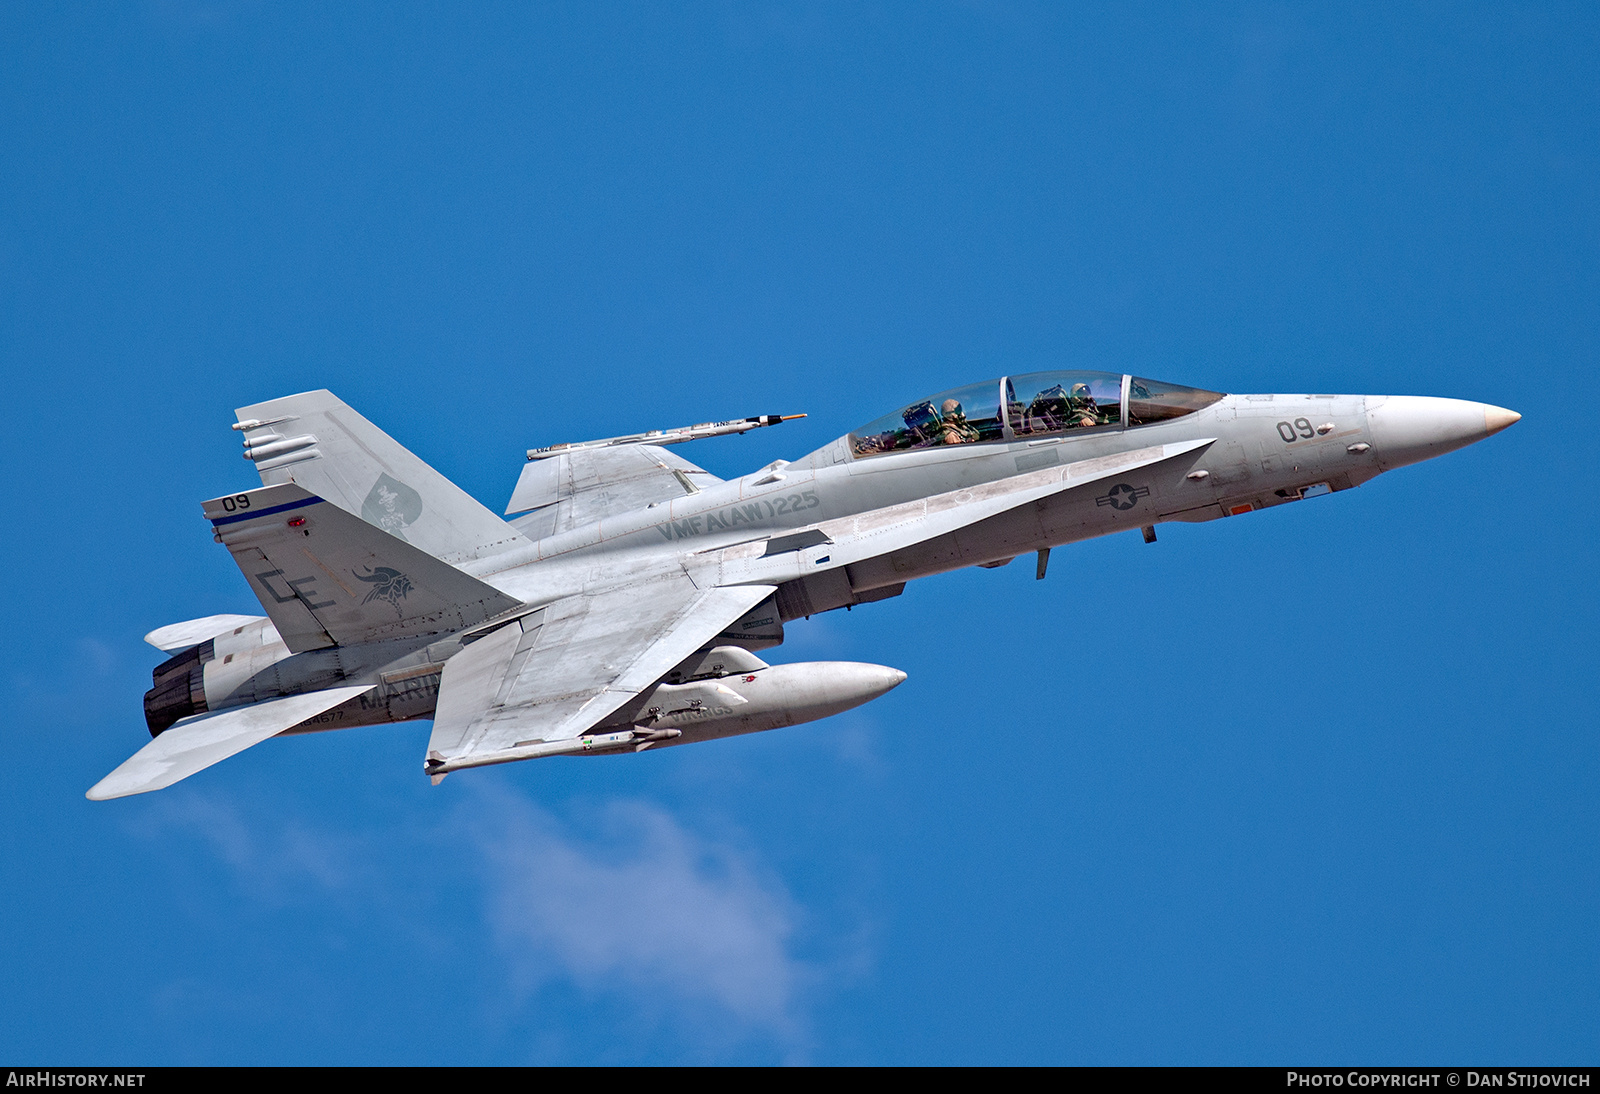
x=954, y=426
x=1081, y=408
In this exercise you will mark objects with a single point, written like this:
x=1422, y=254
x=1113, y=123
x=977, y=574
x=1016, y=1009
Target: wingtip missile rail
x=668, y=436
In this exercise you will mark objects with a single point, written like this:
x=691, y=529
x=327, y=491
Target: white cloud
x=650, y=907
x=272, y=860
x=674, y=926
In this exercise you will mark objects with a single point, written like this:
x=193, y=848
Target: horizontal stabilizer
x=179, y=636
x=327, y=577
x=196, y=743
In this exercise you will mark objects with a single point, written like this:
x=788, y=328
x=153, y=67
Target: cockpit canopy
x=1036, y=404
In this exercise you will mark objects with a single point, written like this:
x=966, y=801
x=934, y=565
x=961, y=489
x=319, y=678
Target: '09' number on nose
x=1299, y=430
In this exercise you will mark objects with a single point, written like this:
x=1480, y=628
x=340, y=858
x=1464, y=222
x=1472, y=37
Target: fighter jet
x=622, y=602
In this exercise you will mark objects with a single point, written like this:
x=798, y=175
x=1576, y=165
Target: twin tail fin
x=316, y=440
x=329, y=578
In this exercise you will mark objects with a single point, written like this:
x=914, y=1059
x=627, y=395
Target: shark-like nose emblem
x=1411, y=428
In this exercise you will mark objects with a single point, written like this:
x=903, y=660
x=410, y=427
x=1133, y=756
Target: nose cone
x=1411, y=428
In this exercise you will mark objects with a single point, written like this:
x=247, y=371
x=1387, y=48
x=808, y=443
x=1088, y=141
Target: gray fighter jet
x=623, y=604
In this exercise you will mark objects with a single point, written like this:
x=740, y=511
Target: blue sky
x=1311, y=786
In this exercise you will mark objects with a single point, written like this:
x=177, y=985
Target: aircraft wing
x=195, y=743
x=833, y=544
x=578, y=487
x=559, y=671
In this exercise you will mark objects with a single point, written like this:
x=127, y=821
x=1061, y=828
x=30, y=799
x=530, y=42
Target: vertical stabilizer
x=327, y=578
x=320, y=443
